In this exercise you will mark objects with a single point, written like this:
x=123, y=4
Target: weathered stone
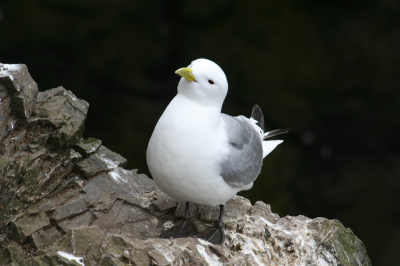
x=66, y=197
x=88, y=146
x=12, y=253
x=103, y=160
x=7, y=122
x=46, y=206
x=125, y=219
x=78, y=244
x=32, y=209
x=163, y=202
x=349, y=250
x=41, y=139
x=73, y=157
x=61, y=109
x=83, y=219
x=52, y=107
x=33, y=147
x=57, y=182
x=135, y=189
x=264, y=210
x=20, y=228
x=71, y=208
x=20, y=87
x=35, y=261
x=24, y=147
x=57, y=172
x=16, y=141
x=30, y=178
x=114, y=244
x=71, y=183
x=188, y=251
x=40, y=154
x=84, y=237
x=98, y=194
x=3, y=164
x=45, y=237
x=109, y=261
x=137, y=257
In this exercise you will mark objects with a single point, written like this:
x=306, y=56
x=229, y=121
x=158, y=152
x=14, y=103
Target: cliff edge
x=66, y=200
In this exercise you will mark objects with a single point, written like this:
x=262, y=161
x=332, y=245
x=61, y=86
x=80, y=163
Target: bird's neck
x=191, y=112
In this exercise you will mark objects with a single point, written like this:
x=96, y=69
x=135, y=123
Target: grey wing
x=244, y=161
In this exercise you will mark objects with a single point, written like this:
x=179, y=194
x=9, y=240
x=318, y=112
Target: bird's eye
x=210, y=81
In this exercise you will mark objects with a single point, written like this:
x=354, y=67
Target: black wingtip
x=257, y=114
x=276, y=132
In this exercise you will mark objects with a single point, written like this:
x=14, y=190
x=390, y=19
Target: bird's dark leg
x=215, y=235
x=185, y=228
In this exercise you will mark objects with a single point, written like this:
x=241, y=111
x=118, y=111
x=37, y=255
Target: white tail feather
x=270, y=145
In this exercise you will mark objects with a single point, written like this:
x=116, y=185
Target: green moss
x=31, y=177
x=346, y=244
x=80, y=132
x=90, y=141
x=3, y=164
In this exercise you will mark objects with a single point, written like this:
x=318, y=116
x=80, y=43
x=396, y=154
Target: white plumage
x=192, y=141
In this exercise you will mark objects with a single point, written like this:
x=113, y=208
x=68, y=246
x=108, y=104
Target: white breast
x=188, y=170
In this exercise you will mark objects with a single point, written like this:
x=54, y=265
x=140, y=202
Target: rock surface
x=68, y=201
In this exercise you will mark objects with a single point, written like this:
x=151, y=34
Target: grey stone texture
x=66, y=200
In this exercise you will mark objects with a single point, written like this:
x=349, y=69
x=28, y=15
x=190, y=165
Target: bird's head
x=204, y=82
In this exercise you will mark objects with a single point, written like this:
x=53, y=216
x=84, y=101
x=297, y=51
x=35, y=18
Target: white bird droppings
x=71, y=257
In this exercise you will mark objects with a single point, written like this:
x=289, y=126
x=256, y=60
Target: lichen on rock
x=66, y=200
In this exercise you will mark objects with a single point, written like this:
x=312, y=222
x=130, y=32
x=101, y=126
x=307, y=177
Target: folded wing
x=244, y=161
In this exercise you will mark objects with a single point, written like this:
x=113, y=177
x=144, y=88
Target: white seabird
x=197, y=154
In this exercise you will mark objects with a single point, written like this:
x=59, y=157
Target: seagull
x=198, y=154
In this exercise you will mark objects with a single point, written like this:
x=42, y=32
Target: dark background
x=329, y=70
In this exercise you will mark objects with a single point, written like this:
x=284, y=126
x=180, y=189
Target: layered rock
x=66, y=200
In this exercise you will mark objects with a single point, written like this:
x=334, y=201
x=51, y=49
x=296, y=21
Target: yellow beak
x=186, y=73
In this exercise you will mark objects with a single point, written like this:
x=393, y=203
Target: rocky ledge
x=66, y=200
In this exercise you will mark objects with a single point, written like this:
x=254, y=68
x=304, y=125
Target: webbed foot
x=184, y=228
x=214, y=235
